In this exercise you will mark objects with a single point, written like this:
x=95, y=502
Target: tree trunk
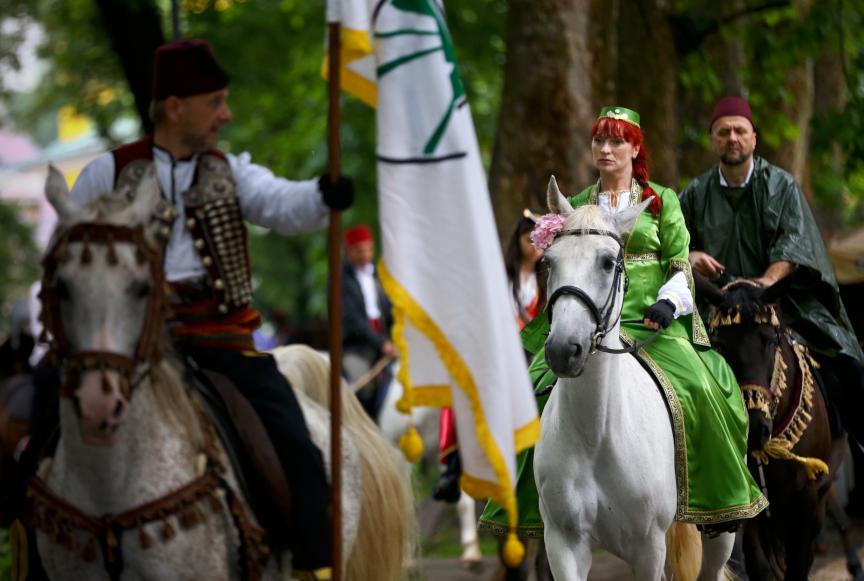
x=546, y=110
x=648, y=82
x=135, y=30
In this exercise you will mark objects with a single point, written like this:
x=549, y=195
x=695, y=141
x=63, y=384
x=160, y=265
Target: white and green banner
x=442, y=265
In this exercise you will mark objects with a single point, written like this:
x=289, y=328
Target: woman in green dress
x=709, y=421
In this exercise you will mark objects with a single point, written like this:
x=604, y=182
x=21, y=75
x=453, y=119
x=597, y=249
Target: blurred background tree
x=536, y=73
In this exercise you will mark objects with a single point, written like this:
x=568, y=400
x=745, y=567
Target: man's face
x=201, y=117
x=360, y=253
x=733, y=139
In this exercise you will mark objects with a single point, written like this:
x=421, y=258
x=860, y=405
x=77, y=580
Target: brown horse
x=792, y=449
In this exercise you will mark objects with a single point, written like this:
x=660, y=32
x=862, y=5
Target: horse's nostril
x=118, y=409
x=103, y=427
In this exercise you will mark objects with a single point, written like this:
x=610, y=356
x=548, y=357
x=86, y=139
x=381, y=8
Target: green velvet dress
x=709, y=422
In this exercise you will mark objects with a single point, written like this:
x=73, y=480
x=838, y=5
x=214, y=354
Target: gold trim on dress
x=642, y=257
x=700, y=335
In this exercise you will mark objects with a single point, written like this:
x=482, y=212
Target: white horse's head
x=103, y=299
x=586, y=279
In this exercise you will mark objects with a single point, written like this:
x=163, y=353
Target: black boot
x=447, y=488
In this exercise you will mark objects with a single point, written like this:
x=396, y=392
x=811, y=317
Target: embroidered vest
x=212, y=215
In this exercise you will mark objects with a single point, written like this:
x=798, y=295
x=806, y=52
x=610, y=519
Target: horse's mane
x=174, y=402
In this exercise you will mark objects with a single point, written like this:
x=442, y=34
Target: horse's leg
x=569, y=557
x=715, y=553
x=841, y=521
x=755, y=560
x=468, y=530
x=542, y=570
x=649, y=559
x=800, y=542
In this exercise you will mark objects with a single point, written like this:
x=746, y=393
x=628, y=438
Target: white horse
x=134, y=444
x=394, y=424
x=604, y=464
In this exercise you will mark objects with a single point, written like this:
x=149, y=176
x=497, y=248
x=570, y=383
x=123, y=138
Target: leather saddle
x=256, y=465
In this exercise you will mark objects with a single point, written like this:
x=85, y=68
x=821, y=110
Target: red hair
x=608, y=127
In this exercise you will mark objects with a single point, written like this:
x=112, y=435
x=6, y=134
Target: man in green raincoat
x=748, y=218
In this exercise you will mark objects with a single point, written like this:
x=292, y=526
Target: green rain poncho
x=766, y=221
x=707, y=412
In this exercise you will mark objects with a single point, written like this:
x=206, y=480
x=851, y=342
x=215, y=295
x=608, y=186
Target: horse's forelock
x=744, y=299
x=584, y=217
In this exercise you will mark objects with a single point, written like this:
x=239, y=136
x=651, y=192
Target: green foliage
x=19, y=258
x=273, y=52
x=773, y=42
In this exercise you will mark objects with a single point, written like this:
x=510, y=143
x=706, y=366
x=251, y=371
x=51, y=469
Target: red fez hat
x=731, y=106
x=358, y=234
x=186, y=67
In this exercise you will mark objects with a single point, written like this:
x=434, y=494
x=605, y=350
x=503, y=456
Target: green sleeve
x=674, y=237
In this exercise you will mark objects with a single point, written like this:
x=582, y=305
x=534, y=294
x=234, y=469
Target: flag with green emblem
x=442, y=265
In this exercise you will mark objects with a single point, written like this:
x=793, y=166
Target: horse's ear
x=622, y=222
x=556, y=201
x=147, y=196
x=773, y=293
x=707, y=290
x=57, y=193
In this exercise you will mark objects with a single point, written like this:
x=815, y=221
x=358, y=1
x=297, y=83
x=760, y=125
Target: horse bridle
x=601, y=315
x=149, y=347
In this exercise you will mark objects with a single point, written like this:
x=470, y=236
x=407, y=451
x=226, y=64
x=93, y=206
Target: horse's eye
x=608, y=264
x=140, y=289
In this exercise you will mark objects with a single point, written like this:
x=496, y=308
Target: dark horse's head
x=745, y=325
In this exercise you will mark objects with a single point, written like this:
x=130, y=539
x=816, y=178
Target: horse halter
x=149, y=347
x=601, y=315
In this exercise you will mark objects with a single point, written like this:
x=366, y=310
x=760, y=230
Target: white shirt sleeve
x=95, y=180
x=288, y=207
x=677, y=291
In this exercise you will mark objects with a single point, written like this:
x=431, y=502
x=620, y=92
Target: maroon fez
x=731, y=106
x=186, y=67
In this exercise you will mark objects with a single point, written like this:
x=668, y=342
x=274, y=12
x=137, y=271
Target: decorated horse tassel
x=89, y=554
x=144, y=540
x=779, y=449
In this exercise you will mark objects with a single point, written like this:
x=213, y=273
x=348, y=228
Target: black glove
x=662, y=312
x=338, y=196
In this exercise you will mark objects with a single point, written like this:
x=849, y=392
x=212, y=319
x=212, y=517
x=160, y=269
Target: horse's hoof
x=473, y=565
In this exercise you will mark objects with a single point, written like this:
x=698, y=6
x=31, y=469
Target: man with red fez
x=748, y=218
x=366, y=317
x=207, y=260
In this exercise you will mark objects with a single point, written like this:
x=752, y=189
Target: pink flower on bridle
x=547, y=228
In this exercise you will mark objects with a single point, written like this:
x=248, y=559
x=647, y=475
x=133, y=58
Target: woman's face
x=613, y=155
x=530, y=253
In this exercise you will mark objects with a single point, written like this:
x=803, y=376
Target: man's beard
x=729, y=158
x=197, y=143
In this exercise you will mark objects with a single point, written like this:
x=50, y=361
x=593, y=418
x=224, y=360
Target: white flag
x=442, y=265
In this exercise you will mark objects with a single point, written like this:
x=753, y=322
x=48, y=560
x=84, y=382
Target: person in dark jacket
x=366, y=318
x=748, y=219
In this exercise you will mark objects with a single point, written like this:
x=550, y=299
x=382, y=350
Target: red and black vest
x=218, y=315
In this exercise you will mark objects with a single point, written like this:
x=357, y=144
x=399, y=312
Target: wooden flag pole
x=335, y=303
